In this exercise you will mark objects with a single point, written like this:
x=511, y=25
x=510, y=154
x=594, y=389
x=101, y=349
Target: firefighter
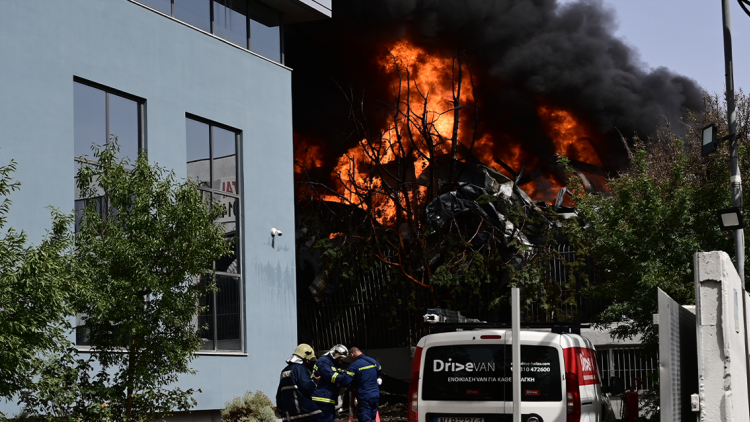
x=365, y=372
x=296, y=386
x=328, y=368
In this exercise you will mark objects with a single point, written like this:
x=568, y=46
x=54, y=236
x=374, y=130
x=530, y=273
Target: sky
x=686, y=37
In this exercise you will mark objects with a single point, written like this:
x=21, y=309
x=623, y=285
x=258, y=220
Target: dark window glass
x=229, y=264
x=228, y=313
x=541, y=379
x=206, y=322
x=265, y=31
x=82, y=333
x=89, y=119
x=164, y=6
x=212, y=160
x=224, y=160
x=99, y=115
x=81, y=204
x=199, y=152
x=484, y=373
x=123, y=123
x=194, y=12
x=230, y=21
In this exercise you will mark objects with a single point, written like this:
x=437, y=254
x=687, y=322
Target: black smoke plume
x=521, y=52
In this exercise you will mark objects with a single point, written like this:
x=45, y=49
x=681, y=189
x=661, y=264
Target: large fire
x=426, y=90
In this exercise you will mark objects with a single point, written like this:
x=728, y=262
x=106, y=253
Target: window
x=476, y=372
x=212, y=161
x=100, y=113
x=247, y=23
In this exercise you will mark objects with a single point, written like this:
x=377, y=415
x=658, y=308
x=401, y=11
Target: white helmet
x=339, y=352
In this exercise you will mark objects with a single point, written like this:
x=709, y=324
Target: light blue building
x=202, y=86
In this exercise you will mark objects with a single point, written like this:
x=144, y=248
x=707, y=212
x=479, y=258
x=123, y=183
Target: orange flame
x=424, y=89
x=569, y=136
x=307, y=155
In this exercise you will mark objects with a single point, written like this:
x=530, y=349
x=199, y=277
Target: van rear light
x=490, y=337
x=413, y=414
x=574, y=397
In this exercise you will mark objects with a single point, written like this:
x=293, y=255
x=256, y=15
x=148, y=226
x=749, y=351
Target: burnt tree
x=411, y=219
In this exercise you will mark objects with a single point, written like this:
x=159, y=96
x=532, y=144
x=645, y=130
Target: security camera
x=275, y=232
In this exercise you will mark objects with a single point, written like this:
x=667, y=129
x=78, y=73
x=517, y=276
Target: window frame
x=239, y=275
x=141, y=130
x=248, y=35
x=141, y=102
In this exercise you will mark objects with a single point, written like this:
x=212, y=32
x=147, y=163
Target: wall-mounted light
x=731, y=219
x=276, y=232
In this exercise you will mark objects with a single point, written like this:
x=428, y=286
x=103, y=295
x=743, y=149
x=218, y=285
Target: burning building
x=547, y=78
x=399, y=103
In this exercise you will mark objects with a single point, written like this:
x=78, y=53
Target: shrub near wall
x=252, y=407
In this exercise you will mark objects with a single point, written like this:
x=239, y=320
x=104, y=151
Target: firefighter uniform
x=293, y=397
x=327, y=393
x=365, y=372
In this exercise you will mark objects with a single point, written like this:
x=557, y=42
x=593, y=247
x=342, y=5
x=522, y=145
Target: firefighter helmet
x=339, y=352
x=305, y=351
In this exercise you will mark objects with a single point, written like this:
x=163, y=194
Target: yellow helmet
x=305, y=351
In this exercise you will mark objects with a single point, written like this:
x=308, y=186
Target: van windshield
x=484, y=372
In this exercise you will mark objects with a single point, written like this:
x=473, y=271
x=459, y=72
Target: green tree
x=144, y=247
x=657, y=215
x=35, y=288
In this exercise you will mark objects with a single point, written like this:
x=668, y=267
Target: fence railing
x=368, y=315
x=629, y=364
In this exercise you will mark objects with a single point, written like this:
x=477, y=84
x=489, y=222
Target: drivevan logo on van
x=450, y=366
x=586, y=364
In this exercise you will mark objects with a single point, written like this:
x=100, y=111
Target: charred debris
x=480, y=202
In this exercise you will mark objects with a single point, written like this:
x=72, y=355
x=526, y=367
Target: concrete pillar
x=722, y=372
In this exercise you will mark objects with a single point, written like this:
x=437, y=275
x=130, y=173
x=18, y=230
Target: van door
x=581, y=360
x=541, y=382
x=464, y=382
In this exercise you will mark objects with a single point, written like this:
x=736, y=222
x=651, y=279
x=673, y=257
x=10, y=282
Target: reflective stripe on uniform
x=350, y=373
x=289, y=387
x=333, y=378
x=324, y=400
x=366, y=367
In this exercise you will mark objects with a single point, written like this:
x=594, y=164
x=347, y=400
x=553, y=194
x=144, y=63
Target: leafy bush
x=252, y=407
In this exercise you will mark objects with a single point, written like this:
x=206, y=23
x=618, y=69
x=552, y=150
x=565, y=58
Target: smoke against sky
x=524, y=54
x=685, y=36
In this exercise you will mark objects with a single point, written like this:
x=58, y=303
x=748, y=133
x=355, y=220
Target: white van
x=466, y=376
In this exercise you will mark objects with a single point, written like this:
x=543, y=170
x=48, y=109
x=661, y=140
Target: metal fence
x=369, y=316
x=630, y=364
x=584, y=308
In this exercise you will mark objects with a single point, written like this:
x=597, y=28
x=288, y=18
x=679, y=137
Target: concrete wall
x=177, y=69
x=678, y=360
x=720, y=329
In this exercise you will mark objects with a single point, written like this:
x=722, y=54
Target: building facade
x=201, y=85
